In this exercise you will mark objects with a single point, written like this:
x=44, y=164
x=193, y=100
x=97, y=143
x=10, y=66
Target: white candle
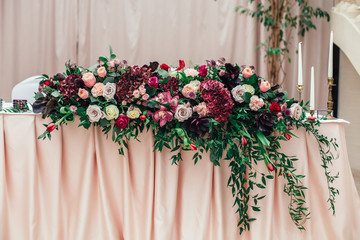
x=312, y=90
x=330, y=67
x=300, y=78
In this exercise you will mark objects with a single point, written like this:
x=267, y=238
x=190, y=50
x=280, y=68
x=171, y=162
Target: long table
x=77, y=186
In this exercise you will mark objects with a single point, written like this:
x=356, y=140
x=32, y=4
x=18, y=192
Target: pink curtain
x=39, y=36
x=76, y=186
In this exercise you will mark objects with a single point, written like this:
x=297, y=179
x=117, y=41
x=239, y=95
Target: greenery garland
x=220, y=108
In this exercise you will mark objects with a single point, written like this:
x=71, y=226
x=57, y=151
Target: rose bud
x=264, y=85
x=247, y=73
x=243, y=141
x=192, y=146
x=311, y=118
x=270, y=167
x=164, y=67
x=287, y=136
x=142, y=117
x=51, y=127
x=47, y=83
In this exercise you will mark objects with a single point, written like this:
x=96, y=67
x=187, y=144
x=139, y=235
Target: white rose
x=190, y=72
x=237, y=93
x=183, y=112
x=112, y=112
x=109, y=91
x=173, y=72
x=133, y=112
x=94, y=113
x=296, y=111
x=196, y=85
x=249, y=89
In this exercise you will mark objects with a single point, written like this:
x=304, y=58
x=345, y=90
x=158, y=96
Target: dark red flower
x=122, y=121
x=193, y=147
x=51, y=127
x=153, y=82
x=270, y=167
x=287, y=136
x=202, y=71
x=181, y=65
x=275, y=107
x=311, y=118
x=47, y=83
x=172, y=83
x=217, y=98
x=164, y=67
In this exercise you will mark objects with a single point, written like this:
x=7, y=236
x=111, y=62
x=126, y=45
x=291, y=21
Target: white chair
x=26, y=89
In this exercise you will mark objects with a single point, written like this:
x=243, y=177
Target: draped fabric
x=77, y=187
x=39, y=36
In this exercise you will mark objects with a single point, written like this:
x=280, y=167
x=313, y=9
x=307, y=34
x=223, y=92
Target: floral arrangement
x=218, y=107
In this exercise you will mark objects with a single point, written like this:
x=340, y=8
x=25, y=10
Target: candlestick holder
x=300, y=88
x=330, y=103
x=312, y=112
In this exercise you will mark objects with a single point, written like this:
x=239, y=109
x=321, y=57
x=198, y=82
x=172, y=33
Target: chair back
x=26, y=89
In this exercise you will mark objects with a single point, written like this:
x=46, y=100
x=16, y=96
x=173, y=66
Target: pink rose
x=136, y=93
x=202, y=71
x=247, y=72
x=190, y=72
x=97, y=90
x=89, y=79
x=189, y=91
x=201, y=109
x=83, y=93
x=73, y=108
x=145, y=96
x=264, y=85
x=256, y=103
x=116, y=61
x=142, y=89
x=122, y=121
x=153, y=82
x=111, y=64
x=101, y=72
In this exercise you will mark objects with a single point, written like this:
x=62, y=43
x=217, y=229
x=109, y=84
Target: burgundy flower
x=217, y=98
x=202, y=71
x=265, y=122
x=122, y=121
x=68, y=88
x=164, y=67
x=231, y=77
x=275, y=108
x=199, y=126
x=173, y=83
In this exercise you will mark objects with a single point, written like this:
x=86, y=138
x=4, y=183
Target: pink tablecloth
x=76, y=186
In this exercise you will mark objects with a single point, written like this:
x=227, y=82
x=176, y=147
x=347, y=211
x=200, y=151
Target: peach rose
x=189, y=91
x=89, y=79
x=264, y=85
x=83, y=93
x=97, y=90
x=247, y=72
x=102, y=72
x=256, y=103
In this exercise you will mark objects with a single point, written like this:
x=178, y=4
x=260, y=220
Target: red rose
x=243, y=141
x=142, y=117
x=153, y=82
x=164, y=67
x=122, y=121
x=192, y=147
x=311, y=118
x=274, y=107
x=202, y=71
x=181, y=65
x=47, y=83
x=287, y=136
x=51, y=127
x=270, y=167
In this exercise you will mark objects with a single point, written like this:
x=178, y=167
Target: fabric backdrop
x=78, y=187
x=39, y=36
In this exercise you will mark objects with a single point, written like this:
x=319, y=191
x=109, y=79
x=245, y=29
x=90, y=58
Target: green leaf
x=163, y=73
x=55, y=94
x=109, y=80
x=103, y=59
x=38, y=95
x=262, y=138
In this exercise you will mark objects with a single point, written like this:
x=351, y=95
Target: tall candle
x=330, y=66
x=312, y=90
x=300, y=80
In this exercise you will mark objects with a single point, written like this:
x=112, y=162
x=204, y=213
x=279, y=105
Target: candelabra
x=300, y=88
x=330, y=102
